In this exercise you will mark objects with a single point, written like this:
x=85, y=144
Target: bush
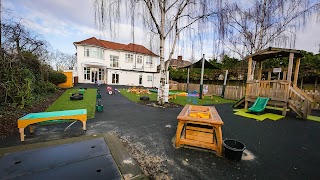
x=57, y=77
x=45, y=87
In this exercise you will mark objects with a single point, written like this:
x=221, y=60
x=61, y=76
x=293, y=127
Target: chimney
x=179, y=58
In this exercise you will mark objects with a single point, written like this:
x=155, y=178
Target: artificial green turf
x=261, y=117
x=136, y=97
x=182, y=100
x=64, y=102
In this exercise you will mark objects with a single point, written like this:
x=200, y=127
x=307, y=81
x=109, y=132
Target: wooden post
x=31, y=127
x=248, y=79
x=260, y=71
x=188, y=80
x=296, y=72
x=269, y=75
x=284, y=75
x=291, y=56
x=249, y=69
x=21, y=130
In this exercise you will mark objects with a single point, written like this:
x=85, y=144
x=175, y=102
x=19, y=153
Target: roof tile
x=117, y=46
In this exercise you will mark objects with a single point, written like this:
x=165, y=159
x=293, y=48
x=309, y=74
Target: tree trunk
x=162, y=66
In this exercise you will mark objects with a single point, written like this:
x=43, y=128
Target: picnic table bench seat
x=32, y=118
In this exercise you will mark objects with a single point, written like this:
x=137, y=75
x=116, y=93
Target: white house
x=114, y=63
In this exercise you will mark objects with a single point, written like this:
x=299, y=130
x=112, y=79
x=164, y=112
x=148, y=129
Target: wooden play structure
x=200, y=126
x=282, y=92
x=32, y=118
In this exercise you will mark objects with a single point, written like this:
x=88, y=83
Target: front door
x=94, y=75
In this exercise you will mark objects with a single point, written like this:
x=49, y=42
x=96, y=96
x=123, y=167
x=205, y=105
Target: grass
x=136, y=97
x=64, y=102
x=182, y=100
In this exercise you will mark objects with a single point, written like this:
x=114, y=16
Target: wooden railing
x=274, y=89
x=300, y=102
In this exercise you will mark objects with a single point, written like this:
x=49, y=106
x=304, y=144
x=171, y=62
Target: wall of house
x=126, y=70
x=131, y=78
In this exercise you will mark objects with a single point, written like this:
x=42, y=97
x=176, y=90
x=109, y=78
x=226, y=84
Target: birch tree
x=257, y=24
x=165, y=19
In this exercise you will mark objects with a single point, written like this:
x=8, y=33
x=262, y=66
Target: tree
x=62, y=60
x=166, y=19
x=262, y=23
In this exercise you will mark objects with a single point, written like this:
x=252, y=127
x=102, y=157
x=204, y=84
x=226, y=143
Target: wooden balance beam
x=32, y=118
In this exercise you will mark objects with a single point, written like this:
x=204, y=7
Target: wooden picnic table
x=32, y=118
x=204, y=132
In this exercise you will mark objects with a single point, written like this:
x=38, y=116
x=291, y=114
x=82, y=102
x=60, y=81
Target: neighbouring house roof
x=178, y=63
x=116, y=46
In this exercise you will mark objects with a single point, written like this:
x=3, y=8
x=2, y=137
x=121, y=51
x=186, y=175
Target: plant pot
x=233, y=149
x=99, y=108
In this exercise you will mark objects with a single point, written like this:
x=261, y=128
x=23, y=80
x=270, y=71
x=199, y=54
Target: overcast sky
x=62, y=22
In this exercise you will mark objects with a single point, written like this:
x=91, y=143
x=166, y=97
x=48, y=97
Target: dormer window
x=129, y=58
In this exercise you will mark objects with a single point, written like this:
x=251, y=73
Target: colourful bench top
x=54, y=114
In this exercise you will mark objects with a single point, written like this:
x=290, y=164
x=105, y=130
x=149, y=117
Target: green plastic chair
x=259, y=105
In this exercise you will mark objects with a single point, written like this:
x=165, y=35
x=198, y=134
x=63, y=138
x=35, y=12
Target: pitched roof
x=179, y=63
x=198, y=64
x=116, y=46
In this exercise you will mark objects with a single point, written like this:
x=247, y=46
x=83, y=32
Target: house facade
x=116, y=64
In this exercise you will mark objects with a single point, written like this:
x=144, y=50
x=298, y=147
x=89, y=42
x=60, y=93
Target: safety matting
x=270, y=116
x=81, y=160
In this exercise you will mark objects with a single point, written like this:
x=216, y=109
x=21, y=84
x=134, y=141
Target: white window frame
x=139, y=59
x=129, y=58
x=114, y=79
x=114, y=61
x=101, y=74
x=149, y=61
x=149, y=78
x=86, y=73
x=94, y=52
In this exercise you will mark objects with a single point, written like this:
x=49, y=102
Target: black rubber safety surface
x=80, y=160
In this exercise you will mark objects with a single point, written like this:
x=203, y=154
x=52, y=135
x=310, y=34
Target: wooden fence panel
x=237, y=92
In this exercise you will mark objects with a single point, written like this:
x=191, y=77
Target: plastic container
x=233, y=149
x=99, y=106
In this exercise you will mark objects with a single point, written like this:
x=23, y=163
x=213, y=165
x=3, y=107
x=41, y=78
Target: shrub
x=45, y=87
x=57, y=77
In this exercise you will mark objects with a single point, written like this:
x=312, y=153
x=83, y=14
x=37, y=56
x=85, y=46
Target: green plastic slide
x=259, y=105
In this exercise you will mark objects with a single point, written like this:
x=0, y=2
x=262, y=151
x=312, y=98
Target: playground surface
x=283, y=149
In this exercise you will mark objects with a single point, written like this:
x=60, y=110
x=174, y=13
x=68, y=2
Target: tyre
x=144, y=98
x=77, y=94
x=76, y=97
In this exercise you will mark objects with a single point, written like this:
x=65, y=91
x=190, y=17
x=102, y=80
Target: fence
x=231, y=92
x=237, y=92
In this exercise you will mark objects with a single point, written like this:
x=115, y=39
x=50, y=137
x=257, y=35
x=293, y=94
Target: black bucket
x=233, y=149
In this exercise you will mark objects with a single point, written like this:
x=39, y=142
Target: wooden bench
x=32, y=118
x=203, y=131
